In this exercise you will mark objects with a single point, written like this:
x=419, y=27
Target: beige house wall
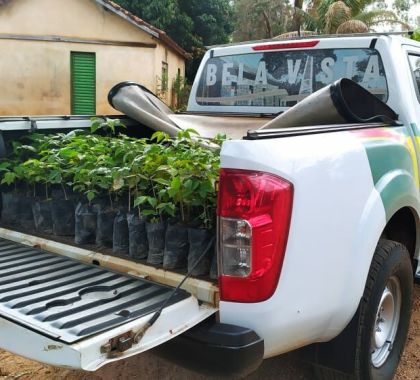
x=35, y=75
x=35, y=78
x=175, y=62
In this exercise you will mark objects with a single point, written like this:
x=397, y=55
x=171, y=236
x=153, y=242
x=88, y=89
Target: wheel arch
x=403, y=227
x=400, y=197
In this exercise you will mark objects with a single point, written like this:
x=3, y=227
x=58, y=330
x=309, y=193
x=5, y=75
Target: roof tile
x=162, y=35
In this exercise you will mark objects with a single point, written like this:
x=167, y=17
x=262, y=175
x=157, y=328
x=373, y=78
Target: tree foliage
x=256, y=19
x=347, y=16
x=193, y=24
x=416, y=35
x=402, y=8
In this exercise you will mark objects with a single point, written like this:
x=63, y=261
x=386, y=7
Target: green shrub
x=159, y=177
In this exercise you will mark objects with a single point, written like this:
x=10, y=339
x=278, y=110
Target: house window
x=164, y=78
x=83, y=83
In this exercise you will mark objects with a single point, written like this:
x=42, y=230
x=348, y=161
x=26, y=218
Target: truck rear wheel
x=383, y=317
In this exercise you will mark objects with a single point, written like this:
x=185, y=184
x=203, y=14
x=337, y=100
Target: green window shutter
x=83, y=83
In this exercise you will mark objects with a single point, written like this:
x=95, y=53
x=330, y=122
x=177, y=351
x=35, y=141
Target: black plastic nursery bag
x=85, y=224
x=176, y=247
x=199, y=239
x=62, y=213
x=156, y=240
x=41, y=211
x=120, y=245
x=138, y=246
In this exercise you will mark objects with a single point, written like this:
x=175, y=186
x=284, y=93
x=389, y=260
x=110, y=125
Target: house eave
x=110, y=8
x=155, y=34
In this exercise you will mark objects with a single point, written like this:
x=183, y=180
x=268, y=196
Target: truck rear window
x=283, y=78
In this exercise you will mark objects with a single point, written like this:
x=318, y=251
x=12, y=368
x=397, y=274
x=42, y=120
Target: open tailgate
x=64, y=312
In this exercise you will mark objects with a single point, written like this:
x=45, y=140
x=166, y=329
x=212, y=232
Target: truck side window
x=415, y=68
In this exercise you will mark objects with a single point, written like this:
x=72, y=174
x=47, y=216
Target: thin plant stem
x=206, y=220
x=110, y=200
x=181, y=204
x=154, y=194
x=64, y=191
x=137, y=194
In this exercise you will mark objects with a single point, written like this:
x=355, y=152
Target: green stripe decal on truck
x=393, y=163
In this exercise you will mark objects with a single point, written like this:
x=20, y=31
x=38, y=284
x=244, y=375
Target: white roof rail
x=306, y=36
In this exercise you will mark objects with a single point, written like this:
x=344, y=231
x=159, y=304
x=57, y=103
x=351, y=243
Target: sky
x=414, y=12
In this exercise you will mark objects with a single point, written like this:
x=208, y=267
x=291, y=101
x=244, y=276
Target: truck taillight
x=254, y=210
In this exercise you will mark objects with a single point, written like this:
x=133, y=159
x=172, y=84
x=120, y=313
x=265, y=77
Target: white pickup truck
x=318, y=226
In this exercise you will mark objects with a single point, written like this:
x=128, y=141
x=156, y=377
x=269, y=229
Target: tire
x=383, y=317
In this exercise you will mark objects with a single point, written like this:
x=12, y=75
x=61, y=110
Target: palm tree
x=342, y=16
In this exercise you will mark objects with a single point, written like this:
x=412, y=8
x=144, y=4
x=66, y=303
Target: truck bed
x=203, y=288
x=69, y=308
x=69, y=300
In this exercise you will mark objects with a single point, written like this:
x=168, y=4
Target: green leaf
x=162, y=181
x=29, y=147
x=160, y=136
x=118, y=183
x=55, y=176
x=68, y=153
x=168, y=208
x=176, y=183
x=96, y=124
x=147, y=212
x=416, y=35
x=9, y=178
x=5, y=166
x=140, y=200
x=186, y=133
x=90, y=195
x=152, y=201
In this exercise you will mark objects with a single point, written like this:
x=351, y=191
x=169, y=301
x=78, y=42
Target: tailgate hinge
x=117, y=345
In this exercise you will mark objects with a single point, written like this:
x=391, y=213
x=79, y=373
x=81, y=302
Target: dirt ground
x=149, y=366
